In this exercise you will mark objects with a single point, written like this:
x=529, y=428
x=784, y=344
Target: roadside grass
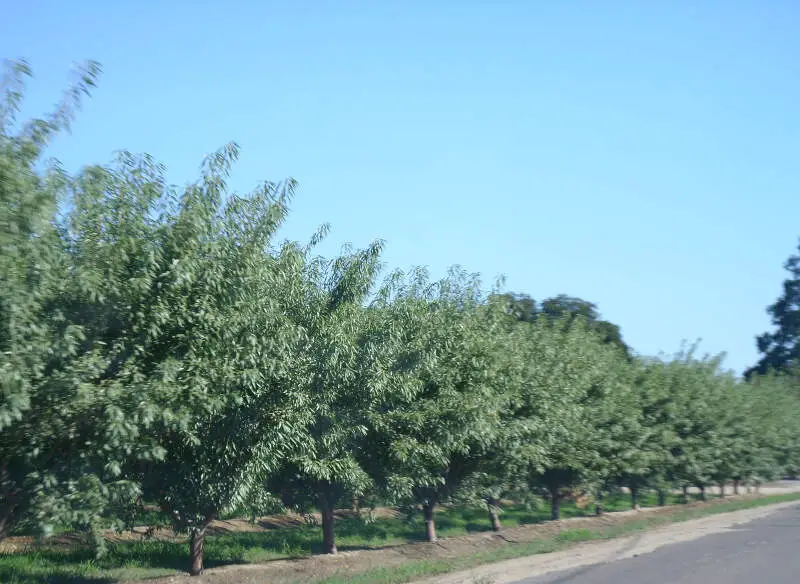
x=415, y=570
x=152, y=558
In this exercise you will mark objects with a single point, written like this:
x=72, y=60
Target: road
x=766, y=550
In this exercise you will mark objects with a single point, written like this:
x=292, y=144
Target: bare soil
x=351, y=562
x=19, y=543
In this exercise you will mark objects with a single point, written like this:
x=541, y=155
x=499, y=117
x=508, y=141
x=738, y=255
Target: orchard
x=160, y=346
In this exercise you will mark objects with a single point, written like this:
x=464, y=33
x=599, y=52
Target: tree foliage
x=68, y=420
x=218, y=348
x=345, y=366
x=429, y=441
x=564, y=307
x=780, y=349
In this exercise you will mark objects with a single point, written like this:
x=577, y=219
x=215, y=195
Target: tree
x=773, y=411
x=780, y=349
x=744, y=429
x=345, y=365
x=524, y=308
x=519, y=306
x=429, y=441
x=67, y=425
x=658, y=411
x=499, y=471
x=694, y=386
x=627, y=445
x=563, y=306
x=575, y=370
x=726, y=432
x=30, y=247
x=216, y=344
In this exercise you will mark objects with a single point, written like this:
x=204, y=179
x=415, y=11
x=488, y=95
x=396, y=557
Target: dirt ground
x=314, y=567
x=351, y=562
x=22, y=542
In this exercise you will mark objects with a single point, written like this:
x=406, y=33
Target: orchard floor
x=285, y=549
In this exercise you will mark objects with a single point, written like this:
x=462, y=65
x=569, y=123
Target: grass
x=418, y=569
x=147, y=559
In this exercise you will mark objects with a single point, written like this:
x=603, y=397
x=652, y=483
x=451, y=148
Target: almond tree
x=691, y=383
x=67, y=423
x=216, y=343
x=182, y=298
x=658, y=411
x=626, y=443
x=346, y=365
x=529, y=413
x=730, y=438
x=429, y=441
x=576, y=371
x=772, y=432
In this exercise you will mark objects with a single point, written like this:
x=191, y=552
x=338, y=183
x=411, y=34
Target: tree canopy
x=561, y=307
x=780, y=349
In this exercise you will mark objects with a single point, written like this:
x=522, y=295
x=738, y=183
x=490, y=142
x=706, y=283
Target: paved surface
x=766, y=551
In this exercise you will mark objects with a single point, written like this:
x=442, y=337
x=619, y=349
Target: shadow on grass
x=14, y=577
x=150, y=557
x=48, y=569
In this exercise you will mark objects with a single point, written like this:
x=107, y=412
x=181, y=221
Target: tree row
x=164, y=345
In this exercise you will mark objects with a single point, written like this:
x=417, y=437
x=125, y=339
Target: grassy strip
x=148, y=559
x=418, y=569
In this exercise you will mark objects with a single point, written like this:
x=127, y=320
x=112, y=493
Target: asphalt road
x=764, y=551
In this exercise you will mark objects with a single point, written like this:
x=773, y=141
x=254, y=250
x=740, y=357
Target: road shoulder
x=612, y=550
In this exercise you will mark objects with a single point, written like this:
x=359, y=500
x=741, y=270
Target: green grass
x=417, y=569
x=145, y=559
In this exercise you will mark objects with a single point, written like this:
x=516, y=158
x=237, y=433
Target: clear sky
x=640, y=154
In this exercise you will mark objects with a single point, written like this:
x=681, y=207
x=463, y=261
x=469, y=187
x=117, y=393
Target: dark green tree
x=780, y=349
x=563, y=307
x=569, y=307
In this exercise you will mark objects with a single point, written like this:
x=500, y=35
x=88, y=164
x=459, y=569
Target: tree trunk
x=328, y=537
x=12, y=505
x=555, y=502
x=430, y=524
x=722, y=489
x=685, y=493
x=736, y=487
x=662, y=498
x=702, y=492
x=494, y=516
x=197, y=540
x=5, y=527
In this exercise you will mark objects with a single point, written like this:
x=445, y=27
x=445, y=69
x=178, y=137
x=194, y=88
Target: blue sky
x=638, y=154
